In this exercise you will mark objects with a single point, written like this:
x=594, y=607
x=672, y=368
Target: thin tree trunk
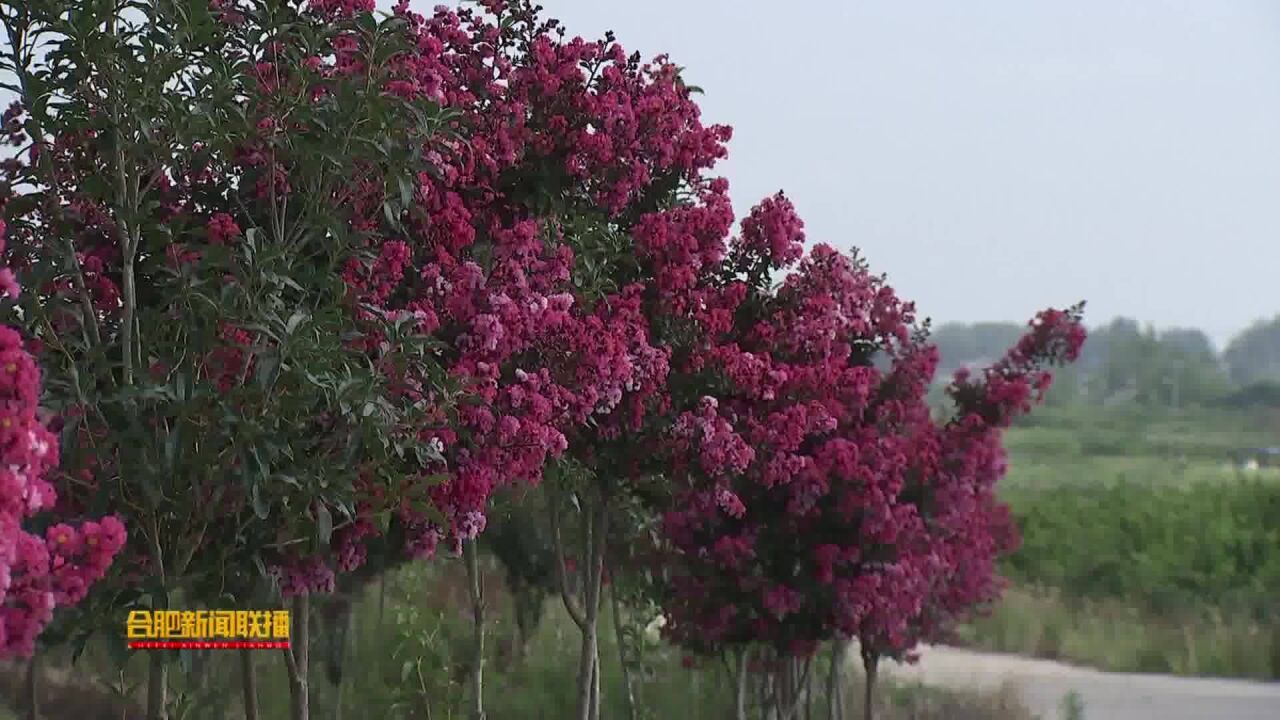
x=595, y=681
x=586, y=667
x=629, y=693
x=577, y=612
x=795, y=679
x=157, y=688
x=298, y=658
x=782, y=695
x=762, y=692
x=476, y=587
x=789, y=698
x=594, y=580
x=808, y=696
x=249, y=685
x=744, y=673
x=870, y=663
x=596, y=531
x=33, y=687
x=835, y=684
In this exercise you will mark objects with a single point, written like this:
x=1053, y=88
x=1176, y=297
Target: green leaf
x=266, y=369
x=259, y=504
x=324, y=525
x=406, y=191
x=295, y=320
x=171, y=449
x=78, y=646
x=261, y=566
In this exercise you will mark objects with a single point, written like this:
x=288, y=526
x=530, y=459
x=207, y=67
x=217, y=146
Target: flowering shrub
x=37, y=574
x=181, y=214
x=310, y=286
x=820, y=499
x=514, y=254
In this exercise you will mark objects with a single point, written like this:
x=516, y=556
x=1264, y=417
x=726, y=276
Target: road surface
x=1043, y=684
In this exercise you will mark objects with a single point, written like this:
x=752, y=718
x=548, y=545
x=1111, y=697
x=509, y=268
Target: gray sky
x=998, y=157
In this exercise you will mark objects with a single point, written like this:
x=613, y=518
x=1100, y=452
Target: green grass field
x=1144, y=548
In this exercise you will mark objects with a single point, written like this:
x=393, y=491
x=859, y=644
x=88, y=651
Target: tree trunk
x=249, y=685
x=476, y=587
x=870, y=663
x=782, y=693
x=33, y=687
x=157, y=687
x=586, y=671
x=298, y=658
x=808, y=695
x=629, y=693
x=585, y=613
x=835, y=680
x=597, y=532
x=595, y=681
x=762, y=692
x=744, y=673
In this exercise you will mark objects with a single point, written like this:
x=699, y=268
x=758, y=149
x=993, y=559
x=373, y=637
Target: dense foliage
x=1168, y=547
x=38, y=574
x=310, y=285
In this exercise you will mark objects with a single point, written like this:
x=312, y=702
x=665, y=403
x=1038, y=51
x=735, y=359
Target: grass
x=1143, y=549
x=1118, y=637
x=1210, y=435
x=412, y=664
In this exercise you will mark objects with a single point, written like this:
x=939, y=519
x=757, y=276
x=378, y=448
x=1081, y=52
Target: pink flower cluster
x=37, y=574
x=853, y=511
x=488, y=271
x=310, y=575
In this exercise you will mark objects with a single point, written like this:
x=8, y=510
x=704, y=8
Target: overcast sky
x=998, y=157
x=995, y=157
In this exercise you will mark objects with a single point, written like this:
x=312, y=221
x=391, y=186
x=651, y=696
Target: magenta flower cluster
x=490, y=274
x=819, y=497
x=37, y=573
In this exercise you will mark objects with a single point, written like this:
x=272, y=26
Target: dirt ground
x=1043, y=684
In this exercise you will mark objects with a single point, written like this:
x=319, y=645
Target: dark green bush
x=1163, y=546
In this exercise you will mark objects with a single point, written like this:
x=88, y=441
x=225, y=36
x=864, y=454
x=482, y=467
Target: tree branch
x=575, y=612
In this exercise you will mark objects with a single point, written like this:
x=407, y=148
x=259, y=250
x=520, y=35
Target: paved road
x=1107, y=696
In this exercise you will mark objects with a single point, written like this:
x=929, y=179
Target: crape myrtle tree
x=188, y=190
x=39, y=571
x=519, y=258
x=952, y=482
x=817, y=499
x=242, y=218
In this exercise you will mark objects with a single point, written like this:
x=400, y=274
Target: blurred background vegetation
x=1149, y=514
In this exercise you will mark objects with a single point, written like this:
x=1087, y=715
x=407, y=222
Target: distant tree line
x=1124, y=362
